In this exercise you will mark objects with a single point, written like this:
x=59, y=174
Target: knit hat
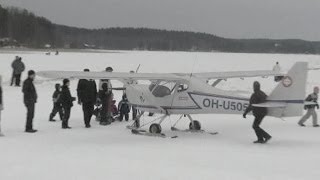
x=65, y=81
x=109, y=69
x=86, y=70
x=31, y=72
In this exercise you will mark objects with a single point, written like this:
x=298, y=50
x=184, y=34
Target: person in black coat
x=258, y=112
x=56, y=104
x=30, y=99
x=87, y=97
x=67, y=103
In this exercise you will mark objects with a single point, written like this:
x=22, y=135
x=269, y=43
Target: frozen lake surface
x=112, y=152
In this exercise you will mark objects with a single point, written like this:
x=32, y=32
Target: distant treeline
x=22, y=28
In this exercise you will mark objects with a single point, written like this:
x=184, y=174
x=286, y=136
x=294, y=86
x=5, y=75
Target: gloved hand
x=244, y=115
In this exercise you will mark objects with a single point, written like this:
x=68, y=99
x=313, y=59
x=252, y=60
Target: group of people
x=89, y=97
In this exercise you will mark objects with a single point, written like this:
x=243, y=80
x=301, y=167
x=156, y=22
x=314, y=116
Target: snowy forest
x=19, y=27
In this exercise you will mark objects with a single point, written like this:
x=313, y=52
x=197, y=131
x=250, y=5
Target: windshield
x=162, y=88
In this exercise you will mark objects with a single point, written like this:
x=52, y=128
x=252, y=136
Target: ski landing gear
x=154, y=129
x=194, y=126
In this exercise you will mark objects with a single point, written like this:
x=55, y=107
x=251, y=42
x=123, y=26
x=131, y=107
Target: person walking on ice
x=258, y=112
x=311, y=111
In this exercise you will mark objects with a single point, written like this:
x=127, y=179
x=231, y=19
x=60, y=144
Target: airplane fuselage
x=198, y=98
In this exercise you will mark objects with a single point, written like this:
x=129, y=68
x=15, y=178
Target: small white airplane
x=187, y=94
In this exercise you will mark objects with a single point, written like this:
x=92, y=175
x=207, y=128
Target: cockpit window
x=162, y=89
x=182, y=87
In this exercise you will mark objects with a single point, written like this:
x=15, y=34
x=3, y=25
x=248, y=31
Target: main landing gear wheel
x=195, y=125
x=155, y=129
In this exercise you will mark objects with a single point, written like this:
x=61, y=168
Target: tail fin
x=291, y=91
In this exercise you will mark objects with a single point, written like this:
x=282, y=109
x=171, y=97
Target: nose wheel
x=155, y=128
x=195, y=125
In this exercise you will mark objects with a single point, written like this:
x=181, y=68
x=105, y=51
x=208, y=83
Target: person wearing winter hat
x=30, y=99
x=67, y=102
x=1, y=103
x=258, y=112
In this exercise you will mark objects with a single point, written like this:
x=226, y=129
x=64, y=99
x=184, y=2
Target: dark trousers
x=105, y=110
x=66, y=116
x=126, y=116
x=88, y=109
x=30, y=115
x=16, y=78
x=56, y=108
x=261, y=134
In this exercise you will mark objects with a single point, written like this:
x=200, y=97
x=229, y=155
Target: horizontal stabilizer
x=310, y=103
x=271, y=105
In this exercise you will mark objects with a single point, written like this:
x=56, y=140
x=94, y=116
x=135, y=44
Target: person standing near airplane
x=87, y=96
x=30, y=99
x=277, y=68
x=258, y=112
x=67, y=103
x=311, y=111
x=105, y=96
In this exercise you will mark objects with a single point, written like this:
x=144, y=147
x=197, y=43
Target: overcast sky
x=227, y=18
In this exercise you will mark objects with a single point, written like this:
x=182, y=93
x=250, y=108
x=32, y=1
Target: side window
x=182, y=87
x=162, y=89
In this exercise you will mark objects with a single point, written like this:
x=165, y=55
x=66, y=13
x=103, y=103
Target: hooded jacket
x=18, y=66
x=256, y=98
x=65, y=98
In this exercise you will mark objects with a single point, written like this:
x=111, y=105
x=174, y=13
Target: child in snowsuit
x=67, y=103
x=114, y=108
x=124, y=108
x=57, y=107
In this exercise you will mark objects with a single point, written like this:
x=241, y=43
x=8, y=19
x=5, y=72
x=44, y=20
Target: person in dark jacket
x=67, y=103
x=18, y=67
x=105, y=96
x=30, y=99
x=258, y=112
x=57, y=107
x=311, y=109
x=87, y=97
x=124, y=108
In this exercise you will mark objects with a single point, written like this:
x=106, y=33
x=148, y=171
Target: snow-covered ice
x=112, y=152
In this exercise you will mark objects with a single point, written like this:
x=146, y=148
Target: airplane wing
x=107, y=75
x=237, y=74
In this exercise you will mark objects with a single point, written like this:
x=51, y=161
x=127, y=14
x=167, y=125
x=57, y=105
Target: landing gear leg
x=137, y=119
